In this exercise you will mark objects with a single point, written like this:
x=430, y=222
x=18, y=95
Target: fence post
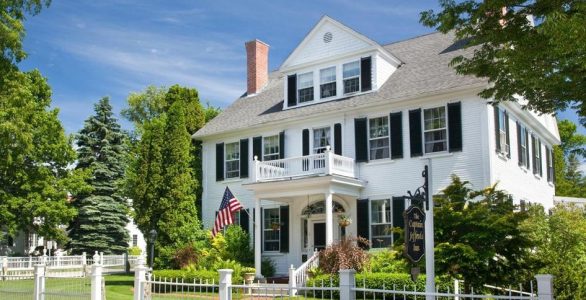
x=544, y=287
x=39, y=282
x=347, y=283
x=96, y=279
x=292, y=282
x=139, y=278
x=126, y=263
x=5, y=265
x=225, y=284
x=456, y=289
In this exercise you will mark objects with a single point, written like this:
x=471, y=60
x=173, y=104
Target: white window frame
x=226, y=161
x=388, y=137
x=549, y=165
x=504, y=147
x=536, y=147
x=270, y=229
x=323, y=83
x=134, y=240
x=299, y=88
x=321, y=149
x=351, y=77
x=270, y=156
x=524, y=141
x=445, y=128
x=388, y=223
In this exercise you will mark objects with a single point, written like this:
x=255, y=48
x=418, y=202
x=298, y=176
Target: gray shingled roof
x=425, y=70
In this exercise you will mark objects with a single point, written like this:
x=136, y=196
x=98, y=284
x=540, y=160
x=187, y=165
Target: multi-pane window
x=232, y=160
x=435, y=131
x=504, y=147
x=271, y=148
x=536, y=155
x=271, y=229
x=381, y=223
x=550, y=170
x=305, y=87
x=134, y=240
x=524, y=160
x=379, y=137
x=351, y=74
x=321, y=139
x=327, y=82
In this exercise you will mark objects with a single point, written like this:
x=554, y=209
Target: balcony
x=326, y=163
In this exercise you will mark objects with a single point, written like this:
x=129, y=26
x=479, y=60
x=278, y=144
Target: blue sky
x=90, y=49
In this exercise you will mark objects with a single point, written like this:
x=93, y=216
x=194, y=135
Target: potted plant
x=248, y=274
x=275, y=226
x=344, y=220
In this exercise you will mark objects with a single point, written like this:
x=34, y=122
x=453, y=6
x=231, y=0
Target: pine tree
x=102, y=213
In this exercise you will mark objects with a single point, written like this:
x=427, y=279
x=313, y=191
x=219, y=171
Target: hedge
x=194, y=275
x=387, y=281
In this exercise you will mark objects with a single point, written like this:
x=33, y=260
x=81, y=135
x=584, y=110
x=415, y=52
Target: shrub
x=267, y=267
x=345, y=254
x=237, y=245
x=387, y=261
x=185, y=256
x=135, y=251
x=191, y=275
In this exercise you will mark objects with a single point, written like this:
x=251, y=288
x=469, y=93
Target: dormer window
x=327, y=82
x=305, y=87
x=351, y=72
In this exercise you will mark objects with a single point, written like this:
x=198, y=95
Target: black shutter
x=455, y=126
x=497, y=134
x=547, y=155
x=366, y=73
x=540, y=161
x=285, y=229
x=262, y=232
x=361, y=140
x=398, y=219
x=415, y=132
x=507, y=137
x=396, y=123
x=338, y=138
x=244, y=158
x=292, y=90
x=219, y=161
x=282, y=144
x=257, y=147
x=244, y=220
x=362, y=221
x=305, y=142
x=553, y=167
x=534, y=148
x=519, y=147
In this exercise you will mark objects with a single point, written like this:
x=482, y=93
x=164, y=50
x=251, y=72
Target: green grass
x=119, y=287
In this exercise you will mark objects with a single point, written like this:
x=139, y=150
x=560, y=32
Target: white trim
x=423, y=131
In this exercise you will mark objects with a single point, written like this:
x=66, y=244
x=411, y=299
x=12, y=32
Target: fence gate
x=66, y=284
x=16, y=287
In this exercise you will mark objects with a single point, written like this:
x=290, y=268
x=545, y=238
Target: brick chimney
x=257, y=65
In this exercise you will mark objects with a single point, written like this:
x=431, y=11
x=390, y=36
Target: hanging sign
x=414, y=233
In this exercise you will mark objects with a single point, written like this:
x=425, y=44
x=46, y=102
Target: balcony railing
x=326, y=163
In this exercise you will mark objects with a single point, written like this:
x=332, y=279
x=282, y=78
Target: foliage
x=189, y=275
x=211, y=112
x=376, y=281
x=478, y=239
x=545, y=63
x=248, y=270
x=238, y=245
x=36, y=154
x=102, y=213
x=185, y=256
x=267, y=267
x=134, y=251
x=561, y=247
x=387, y=261
x=344, y=254
x=569, y=179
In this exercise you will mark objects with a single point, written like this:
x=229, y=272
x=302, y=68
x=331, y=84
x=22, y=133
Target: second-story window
x=232, y=160
x=434, y=128
x=351, y=72
x=305, y=87
x=524, y=159
x=271, y=148
x=327, y=82
x=379, y=138
x=321, y=139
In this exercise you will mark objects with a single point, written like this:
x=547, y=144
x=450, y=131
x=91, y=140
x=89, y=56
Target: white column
x=347, y=283
x=96, y=289
x=429, y=242
x=292, y=282
x=544, y=287
x=39, y=282
x=257, y=233
x=329, y=219
x=225, y=284
x=139, y=278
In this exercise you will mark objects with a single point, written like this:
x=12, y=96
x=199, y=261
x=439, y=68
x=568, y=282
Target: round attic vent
x=328, y=36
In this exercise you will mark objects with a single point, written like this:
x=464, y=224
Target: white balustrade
x=300, y=274
x=326, y=163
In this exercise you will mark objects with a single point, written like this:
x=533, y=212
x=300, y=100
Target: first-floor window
x=134, y=240
x=381, y=223
x=232, y=160
x=435, y=130
x=271, y=148
x=271, y=229
x=379, y=137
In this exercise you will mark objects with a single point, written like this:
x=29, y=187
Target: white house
x=345, y=126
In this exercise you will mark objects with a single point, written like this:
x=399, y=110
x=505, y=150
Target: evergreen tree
x=102, y=213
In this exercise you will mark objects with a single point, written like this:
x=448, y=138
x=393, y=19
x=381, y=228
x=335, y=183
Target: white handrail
x=300, y=274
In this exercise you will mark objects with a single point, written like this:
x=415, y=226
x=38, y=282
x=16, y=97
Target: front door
x=319, y=235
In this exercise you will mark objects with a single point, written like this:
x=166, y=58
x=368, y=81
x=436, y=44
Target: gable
x=329, y=39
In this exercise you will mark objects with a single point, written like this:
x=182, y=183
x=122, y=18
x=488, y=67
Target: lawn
x=119, y=287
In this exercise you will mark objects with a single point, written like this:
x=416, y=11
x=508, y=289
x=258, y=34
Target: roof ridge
x=411, y=38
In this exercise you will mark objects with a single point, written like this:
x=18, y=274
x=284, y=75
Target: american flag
x=228, y=207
